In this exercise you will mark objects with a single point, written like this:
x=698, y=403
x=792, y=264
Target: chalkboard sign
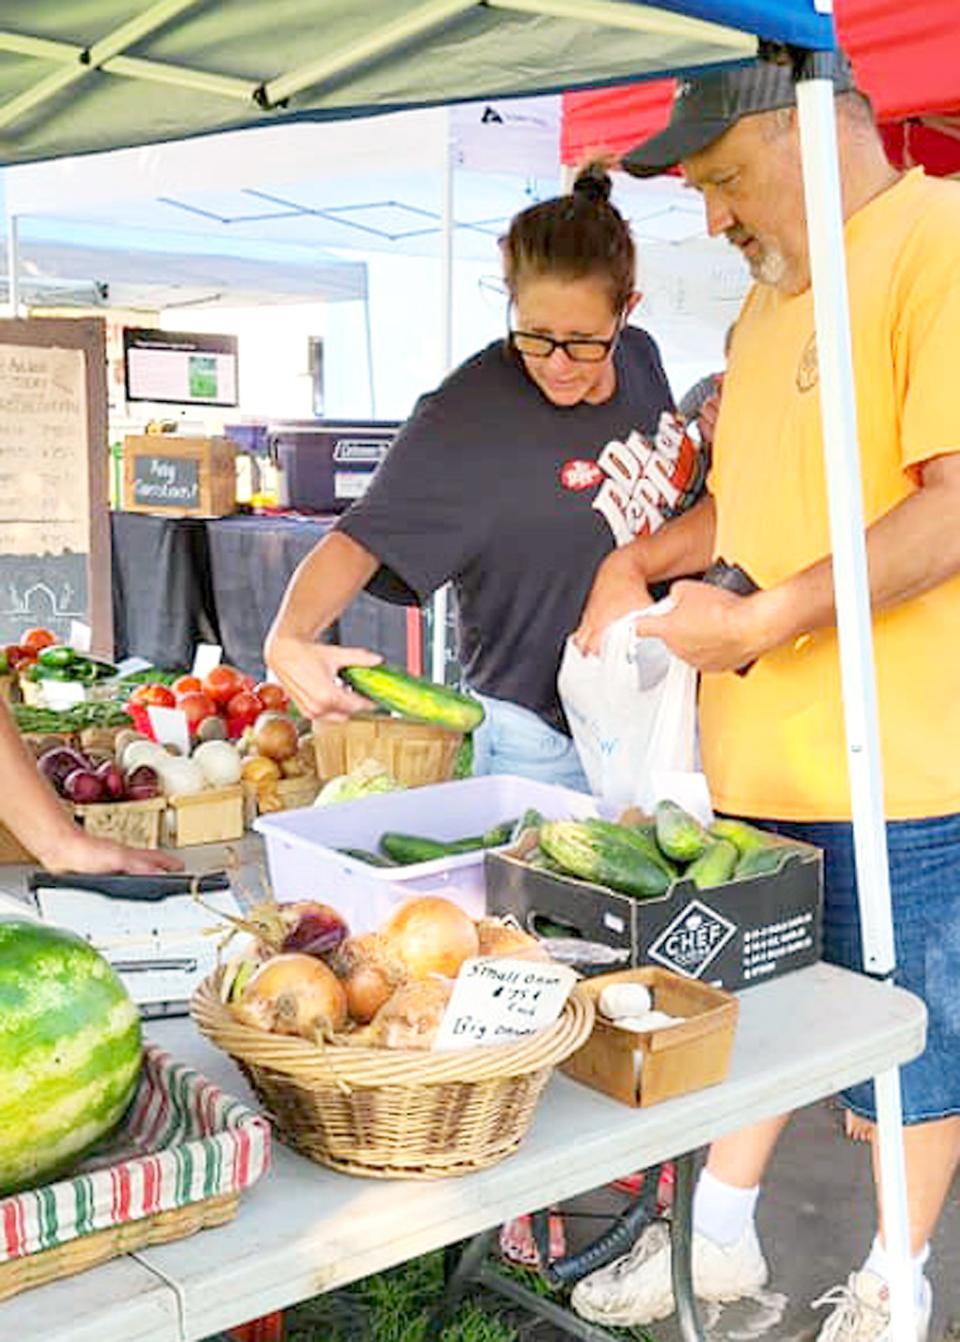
x=166, y=482
x=54, y=519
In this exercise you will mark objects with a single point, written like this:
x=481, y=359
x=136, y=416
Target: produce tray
x=177, y=1164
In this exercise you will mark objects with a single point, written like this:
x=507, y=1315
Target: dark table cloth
x=182, y=580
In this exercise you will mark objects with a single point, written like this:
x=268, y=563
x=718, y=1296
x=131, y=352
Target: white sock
x=878, y=1263
x=721, y=1211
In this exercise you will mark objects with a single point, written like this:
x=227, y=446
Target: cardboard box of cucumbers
x=728, y=904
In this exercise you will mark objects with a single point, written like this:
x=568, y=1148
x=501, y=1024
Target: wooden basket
x=396, y=1113
x=132, y=822
x=414, y=753
x=643, y=1069
x=281, y=794
x=215, y=815
x=90, y=1250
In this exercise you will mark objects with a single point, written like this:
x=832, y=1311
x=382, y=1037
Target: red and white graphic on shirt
x=648, y=482
x=579, y=474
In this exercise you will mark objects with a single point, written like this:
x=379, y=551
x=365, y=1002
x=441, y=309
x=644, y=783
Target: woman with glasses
x=513, y=480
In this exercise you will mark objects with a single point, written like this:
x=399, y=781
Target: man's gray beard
x=770, y=267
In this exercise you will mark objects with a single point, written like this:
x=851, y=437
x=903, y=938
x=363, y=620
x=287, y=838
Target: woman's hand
x=618, y=587
x=79, y=852
x=308, y=672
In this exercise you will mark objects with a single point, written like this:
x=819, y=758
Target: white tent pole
x=438, y=650
x=851, y=582
x=13, y=264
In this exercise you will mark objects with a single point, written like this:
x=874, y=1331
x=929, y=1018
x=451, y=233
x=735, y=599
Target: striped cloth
x=182, y=1140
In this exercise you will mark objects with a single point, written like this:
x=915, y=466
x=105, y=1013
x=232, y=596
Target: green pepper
x=84, y=671
x=56, y=656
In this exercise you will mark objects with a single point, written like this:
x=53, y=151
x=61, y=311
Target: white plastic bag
x=632, y=713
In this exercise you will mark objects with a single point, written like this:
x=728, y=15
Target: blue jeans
x=513, y=740
x=925, y=896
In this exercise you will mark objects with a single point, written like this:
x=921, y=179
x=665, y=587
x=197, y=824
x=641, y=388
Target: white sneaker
x=637, y=1288
x=862, y=1311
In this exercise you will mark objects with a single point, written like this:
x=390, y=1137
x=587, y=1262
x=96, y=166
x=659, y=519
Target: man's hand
x=707, y=419
x=80, y=852
x=618, y=588
x=710, y=628
x=308, y=672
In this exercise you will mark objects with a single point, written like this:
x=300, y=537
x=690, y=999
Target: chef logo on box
x=693, y=940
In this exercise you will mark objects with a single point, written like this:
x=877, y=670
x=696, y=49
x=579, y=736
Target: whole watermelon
x=70, y=1051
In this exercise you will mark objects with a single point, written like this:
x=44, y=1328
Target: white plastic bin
x=304, y=862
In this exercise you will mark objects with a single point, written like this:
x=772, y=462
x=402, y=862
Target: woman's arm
x=321, y=588
x=32, y=811
x=682, y=545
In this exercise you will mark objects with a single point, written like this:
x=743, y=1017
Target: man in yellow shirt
x=773, y=740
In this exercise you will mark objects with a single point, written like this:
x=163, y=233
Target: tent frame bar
x=432, y=14
x=632, y=18
x=94, y=57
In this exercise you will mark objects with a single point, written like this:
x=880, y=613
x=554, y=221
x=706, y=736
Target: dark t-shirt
x=516, y=501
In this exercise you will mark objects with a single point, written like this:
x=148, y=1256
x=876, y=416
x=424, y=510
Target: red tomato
x=273, y=697
x=243, y=710
x=197, y=706
x=154, y=696
x=35, y=639
x=186, y=685
x=247, y=682
x=222, y=683
x=18, y=656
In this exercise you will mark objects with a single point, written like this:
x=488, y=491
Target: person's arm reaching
x=912, y=548
x=682, y=545
x=31, y=809
x=322, y=587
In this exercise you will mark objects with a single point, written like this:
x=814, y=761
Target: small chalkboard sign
x=166, y=482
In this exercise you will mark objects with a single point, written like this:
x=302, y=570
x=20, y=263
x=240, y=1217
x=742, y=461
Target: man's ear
x=632, y=302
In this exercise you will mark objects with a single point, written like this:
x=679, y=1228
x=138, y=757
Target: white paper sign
x=170, y=727
x=60, y=694
x=497, y=1000
x=81, y=636
x=131, y=664
x=206, y=657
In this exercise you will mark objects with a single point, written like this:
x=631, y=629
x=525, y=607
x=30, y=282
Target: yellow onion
x=293, y=994
x=497, y=937
x=430, y=935
x=368, y=974
x=411, y=1017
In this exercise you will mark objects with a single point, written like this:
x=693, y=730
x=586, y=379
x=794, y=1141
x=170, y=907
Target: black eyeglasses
x=580, y=350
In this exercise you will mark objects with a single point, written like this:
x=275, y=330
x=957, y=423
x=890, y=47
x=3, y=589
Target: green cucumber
x=414, y=697
x=364, y=855
x=603, y=858
x=745, y=838
x=765, y=861
x=679, y=834
x=642, y=839
x=714, y=866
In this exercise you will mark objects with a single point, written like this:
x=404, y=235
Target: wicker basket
x=396, y=1113
x=414, y=753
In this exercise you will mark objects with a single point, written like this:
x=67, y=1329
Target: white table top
x=303, y=1229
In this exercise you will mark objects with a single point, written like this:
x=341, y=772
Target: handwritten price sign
x=497, y=1000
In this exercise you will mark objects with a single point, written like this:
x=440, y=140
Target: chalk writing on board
x=44, y=505
x=166, y=482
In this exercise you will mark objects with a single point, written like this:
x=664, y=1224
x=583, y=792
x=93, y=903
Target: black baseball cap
x=707, y=105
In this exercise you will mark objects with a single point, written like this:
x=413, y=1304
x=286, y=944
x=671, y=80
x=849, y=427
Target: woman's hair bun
x=593, y=183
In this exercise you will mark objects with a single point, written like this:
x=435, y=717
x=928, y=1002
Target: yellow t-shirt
x=773, y=741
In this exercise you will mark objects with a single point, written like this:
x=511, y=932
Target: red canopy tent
x=906, y=57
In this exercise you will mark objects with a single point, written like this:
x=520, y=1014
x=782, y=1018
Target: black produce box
x=326, y=465
x=733, y=936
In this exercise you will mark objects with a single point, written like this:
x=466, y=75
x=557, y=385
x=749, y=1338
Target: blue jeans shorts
x=925, y=895
x=513, y=740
